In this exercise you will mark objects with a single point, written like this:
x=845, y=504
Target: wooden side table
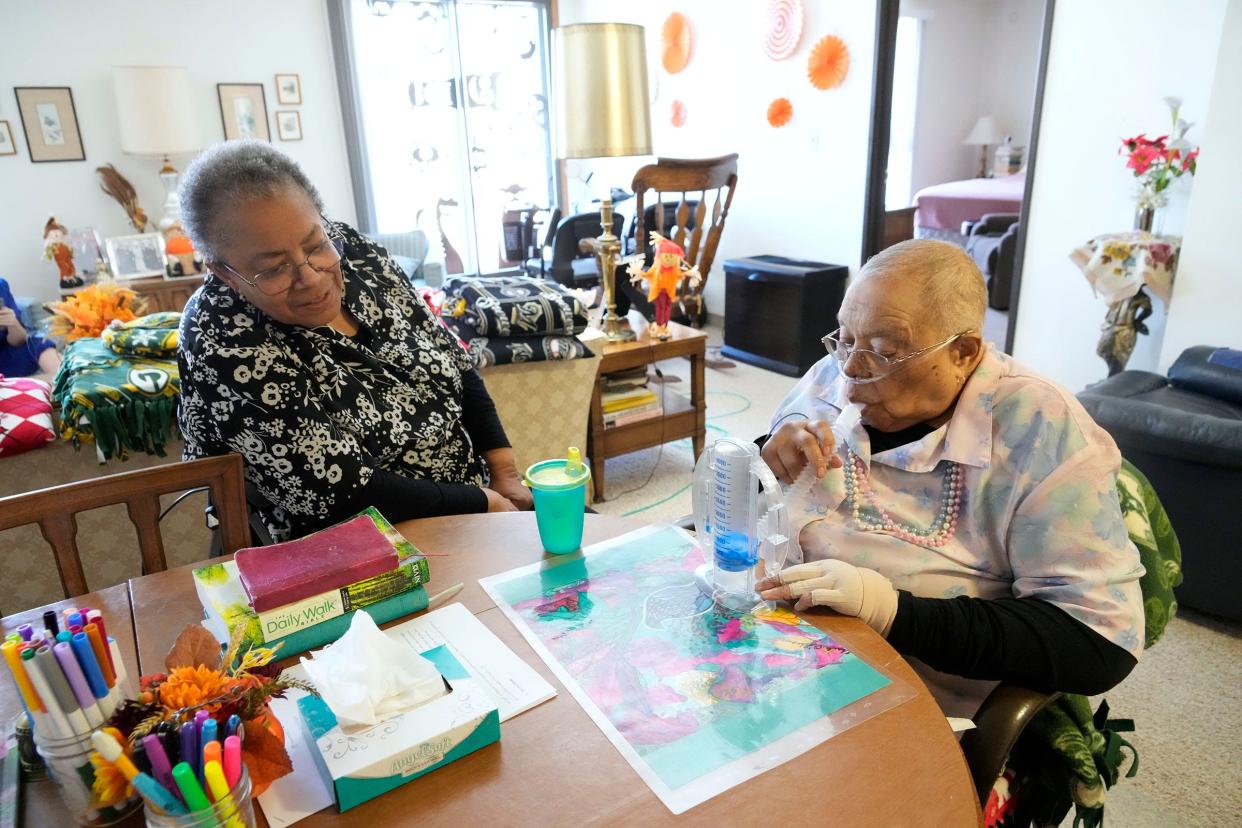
x=682, y=417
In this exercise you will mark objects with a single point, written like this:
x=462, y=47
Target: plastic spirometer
x=738, y=525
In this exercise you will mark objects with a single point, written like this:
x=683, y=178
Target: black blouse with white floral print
x=314, y=412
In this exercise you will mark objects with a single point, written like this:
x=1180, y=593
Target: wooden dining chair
x=697, y=183
x=55, y=510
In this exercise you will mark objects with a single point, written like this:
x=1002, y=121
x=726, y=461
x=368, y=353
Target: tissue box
x=362, y=766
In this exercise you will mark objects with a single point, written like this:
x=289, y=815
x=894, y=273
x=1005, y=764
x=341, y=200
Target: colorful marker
x=108, y=748
x=96, y=617
x=232, y=760
x=90, y=666
x=77, y=680
x=59, y=722
x=191, y=791
x=49, y=622
x=62, y=693
x=101, y=654
x=189, y=748
x=161, y=768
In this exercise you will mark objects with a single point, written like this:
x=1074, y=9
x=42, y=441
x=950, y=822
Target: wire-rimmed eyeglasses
x=876, y=365
x=278, y=280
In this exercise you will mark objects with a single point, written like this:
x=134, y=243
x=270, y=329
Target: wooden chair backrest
x=694, y=180
x=55, y=510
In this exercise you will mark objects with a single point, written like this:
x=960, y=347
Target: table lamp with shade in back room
x=985, y=133
x=156, y=113
x=603, y=111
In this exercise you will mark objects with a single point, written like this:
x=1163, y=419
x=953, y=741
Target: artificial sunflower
x=110, y=786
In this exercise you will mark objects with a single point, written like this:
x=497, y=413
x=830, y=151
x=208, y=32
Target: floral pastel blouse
x=1040, y=517
x=313, y=411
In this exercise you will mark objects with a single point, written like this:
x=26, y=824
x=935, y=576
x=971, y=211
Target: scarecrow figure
x=668, y=268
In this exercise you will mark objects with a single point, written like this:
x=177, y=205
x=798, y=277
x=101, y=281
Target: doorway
x=955, y=115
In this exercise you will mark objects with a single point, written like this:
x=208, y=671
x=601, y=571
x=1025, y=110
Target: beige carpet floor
x=1185, y=695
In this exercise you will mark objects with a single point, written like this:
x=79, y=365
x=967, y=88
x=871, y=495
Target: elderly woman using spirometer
x=307, y=352
x=965, y=507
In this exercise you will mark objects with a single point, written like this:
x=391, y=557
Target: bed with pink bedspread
x=943, y=207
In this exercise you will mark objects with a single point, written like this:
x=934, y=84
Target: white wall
x=976, y=57
x=800, y=188
x=1207, y=296
x=75, y=43
x=1099, y=88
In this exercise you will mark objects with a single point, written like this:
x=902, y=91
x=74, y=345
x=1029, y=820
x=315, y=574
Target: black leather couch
x=1184, y=432
x=992, y=242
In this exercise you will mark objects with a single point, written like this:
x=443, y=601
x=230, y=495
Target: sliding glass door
x=453, y=105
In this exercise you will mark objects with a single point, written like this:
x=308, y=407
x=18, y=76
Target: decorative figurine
x=180, y=257
x=56, y=250
x=668, y=268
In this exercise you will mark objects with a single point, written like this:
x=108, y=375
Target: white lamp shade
x=155, y=109
x=986, y=131
x=600, y=82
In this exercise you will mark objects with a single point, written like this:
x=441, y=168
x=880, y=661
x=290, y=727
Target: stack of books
x=626, y=398
x=303, y=594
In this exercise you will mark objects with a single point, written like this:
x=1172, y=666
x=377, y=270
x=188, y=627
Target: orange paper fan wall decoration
x=779, y=112
x=828, y=63
x=677, y=38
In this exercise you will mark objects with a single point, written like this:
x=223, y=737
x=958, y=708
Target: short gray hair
x=227, y=174
x=955, y=295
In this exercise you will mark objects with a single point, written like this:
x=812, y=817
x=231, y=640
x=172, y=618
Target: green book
x=318, y=620
x=282, y=621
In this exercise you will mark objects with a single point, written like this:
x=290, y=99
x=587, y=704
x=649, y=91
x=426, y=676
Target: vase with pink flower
x=1156, y=164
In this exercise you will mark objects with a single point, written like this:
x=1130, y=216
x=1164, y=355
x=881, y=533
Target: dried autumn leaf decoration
x=780, y=111
x=195, y=647
x=828, y=63
x=677, y=38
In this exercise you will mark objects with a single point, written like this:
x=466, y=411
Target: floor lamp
x=600, y=82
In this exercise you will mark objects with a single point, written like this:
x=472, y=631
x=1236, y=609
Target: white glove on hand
x=848, y=589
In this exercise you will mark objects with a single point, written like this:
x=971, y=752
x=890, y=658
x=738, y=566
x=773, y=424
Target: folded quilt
x=513, y=306
x=503, y=350
x=153, y=335
x=122, y=403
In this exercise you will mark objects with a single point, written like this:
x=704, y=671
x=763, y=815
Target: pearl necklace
x=936, y=535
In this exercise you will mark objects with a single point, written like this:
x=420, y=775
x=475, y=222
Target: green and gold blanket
x=123, y=403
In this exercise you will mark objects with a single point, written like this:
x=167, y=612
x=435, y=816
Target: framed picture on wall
x=50, y=123
x=132, y=257
x=7, y=147
x=289, y=125
x=288, y=89
x=243, y=110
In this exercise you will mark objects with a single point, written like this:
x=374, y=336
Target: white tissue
x=365, y=677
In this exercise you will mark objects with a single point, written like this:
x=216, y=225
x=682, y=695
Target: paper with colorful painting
x=696, y=697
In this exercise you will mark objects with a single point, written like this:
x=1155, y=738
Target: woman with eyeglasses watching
x=967, y=506
x=308, y=352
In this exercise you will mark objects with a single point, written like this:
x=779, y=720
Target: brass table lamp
x=600, y=81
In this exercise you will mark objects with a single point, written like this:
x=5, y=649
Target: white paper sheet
x=513, y=683
x=301, y=793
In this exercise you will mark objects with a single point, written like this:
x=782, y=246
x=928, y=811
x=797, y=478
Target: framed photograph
x=133, y=257
x=289, y=125
x=87, y=249
x=50, y=123
x=7, y=147
x=243, y=110
x=288, y=89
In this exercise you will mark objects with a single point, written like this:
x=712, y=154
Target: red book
x=334, y=557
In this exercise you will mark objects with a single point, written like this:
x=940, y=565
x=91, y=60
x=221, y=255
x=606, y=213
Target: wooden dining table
x=553, y=765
